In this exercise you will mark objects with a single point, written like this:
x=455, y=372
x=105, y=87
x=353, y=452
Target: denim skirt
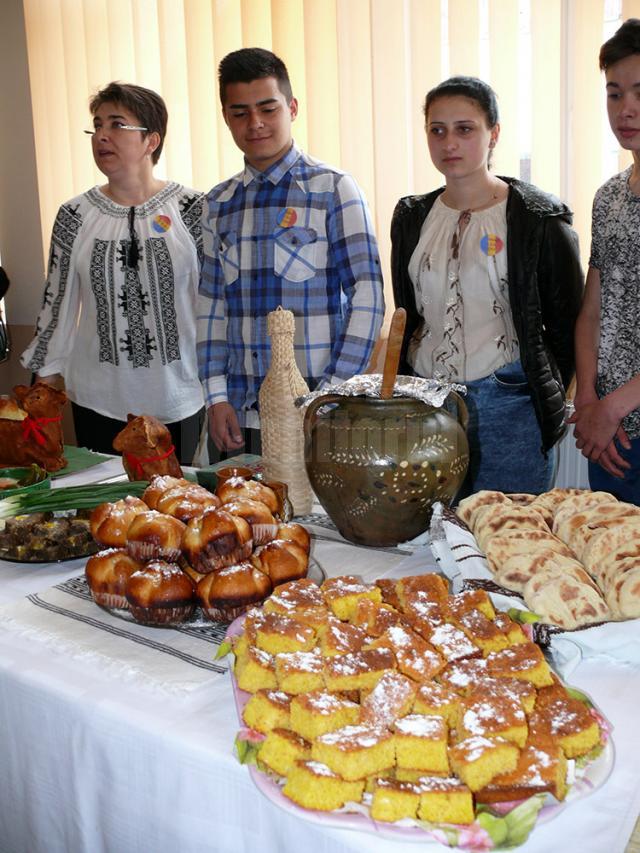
x=505, y=445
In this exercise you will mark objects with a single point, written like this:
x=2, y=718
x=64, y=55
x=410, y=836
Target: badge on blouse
x=491, y=245
x=161, y=223
x=287, y=217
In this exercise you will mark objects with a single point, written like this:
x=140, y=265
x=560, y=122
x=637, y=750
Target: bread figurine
x=147, y=448
x=31, y=427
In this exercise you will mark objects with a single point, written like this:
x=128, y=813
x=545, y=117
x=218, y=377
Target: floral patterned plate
x=489, y=831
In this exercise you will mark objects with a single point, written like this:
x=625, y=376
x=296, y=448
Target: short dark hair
x=466, y=87
x=624, y=42
x=253, y=63
x=146, y=105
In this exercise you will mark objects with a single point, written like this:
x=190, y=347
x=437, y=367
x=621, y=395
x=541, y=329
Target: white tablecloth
x=91, y=763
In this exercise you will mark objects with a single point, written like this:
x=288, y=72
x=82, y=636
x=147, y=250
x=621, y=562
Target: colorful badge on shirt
x=287, y=217
x=161, y=223
x=491, y=245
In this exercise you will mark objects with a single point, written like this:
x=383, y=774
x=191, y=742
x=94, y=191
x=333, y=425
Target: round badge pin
x=491, y=245
x=287, y=217
x=161, y=223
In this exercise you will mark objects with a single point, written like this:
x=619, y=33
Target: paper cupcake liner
x=226, y=613
x=162, y=615
x=263, y=533
x=110, y=599
x=146, y=551
x=211, y=562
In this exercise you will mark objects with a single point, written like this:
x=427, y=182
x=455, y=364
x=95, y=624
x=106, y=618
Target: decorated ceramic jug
x=378, y=466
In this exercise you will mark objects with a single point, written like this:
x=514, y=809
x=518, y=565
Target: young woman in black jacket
x=488, y=271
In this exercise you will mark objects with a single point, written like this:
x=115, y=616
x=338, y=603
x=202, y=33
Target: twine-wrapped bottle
x=280, y=421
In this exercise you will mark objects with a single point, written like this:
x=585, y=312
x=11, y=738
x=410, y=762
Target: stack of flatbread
x=573, y=554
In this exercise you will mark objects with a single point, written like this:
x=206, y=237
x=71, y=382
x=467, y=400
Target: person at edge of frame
x=607, y=402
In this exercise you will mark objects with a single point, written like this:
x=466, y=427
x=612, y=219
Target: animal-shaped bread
x=31, y=427
x=147, y=448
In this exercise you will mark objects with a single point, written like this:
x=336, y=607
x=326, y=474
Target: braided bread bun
x=226, y=594
x=186, y=502
x=110, y=522
x=264, y=527
x=107, y=573
x=281, y=560
x=293, y=532
x=154, y=536
x=216, y=539
x=160, y=593
x=236, y=488
x=158, y=486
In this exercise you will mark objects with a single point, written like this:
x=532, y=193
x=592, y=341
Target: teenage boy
x=607, y=416
x=287, y=230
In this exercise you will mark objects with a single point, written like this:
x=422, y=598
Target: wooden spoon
x=392, y=357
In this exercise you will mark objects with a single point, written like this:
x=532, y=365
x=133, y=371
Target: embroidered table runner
x=65, y=617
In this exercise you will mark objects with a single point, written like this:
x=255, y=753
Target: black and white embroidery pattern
x=104, y=299
x=191, y=214
x=164, y=309
x=65, y=230
x=615, y=252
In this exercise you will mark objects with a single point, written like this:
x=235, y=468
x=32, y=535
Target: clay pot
x=378, y=466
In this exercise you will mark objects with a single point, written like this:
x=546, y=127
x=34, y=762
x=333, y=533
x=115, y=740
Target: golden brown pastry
x=282, y=560
x=158, y=486
x=216, y=539
x=236, y=488
x=186, y=502
x=110, y=522
x=154, y=536
x=107, y=574
x=293, y=532
x=226, y=594
x=263, y=525
x=160, y=593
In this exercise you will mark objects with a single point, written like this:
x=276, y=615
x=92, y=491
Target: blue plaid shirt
x=298, y=235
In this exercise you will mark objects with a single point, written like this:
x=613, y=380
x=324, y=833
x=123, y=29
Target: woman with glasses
x=489, y=273
x=118, y=316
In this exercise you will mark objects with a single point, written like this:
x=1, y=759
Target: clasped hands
x=596, y=428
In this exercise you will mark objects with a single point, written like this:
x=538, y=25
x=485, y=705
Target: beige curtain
x=360, y=69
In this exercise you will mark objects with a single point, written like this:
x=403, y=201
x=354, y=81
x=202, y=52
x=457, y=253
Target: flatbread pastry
x=518, y=570
x=598, y=518
x=606, y=541
x=468, y=507
x=494, y=520
x=566, y=602
x=510, y=542
x=623, y=597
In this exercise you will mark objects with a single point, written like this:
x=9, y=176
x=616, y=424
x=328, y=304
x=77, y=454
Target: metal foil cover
x=430, y=391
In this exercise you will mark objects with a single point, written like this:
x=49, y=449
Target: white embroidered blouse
x=120, y=327
x=459, y=271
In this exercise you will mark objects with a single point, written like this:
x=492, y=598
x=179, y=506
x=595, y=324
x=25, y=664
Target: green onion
x=71, y=497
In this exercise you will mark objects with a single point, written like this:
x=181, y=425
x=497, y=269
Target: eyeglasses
x=113, y=127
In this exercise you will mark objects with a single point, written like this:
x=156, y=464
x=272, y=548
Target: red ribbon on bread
x=32, y=428
x=136, y=462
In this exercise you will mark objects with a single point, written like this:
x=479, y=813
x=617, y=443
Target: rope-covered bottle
x=280, y=421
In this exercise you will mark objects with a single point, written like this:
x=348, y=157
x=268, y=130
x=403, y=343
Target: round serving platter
x=355, y=816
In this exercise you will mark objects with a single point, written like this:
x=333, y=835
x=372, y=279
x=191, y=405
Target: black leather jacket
x=545, y=290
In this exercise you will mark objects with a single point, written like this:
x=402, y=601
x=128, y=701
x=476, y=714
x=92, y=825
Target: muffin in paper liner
x=215, y=540
x=162, y=615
